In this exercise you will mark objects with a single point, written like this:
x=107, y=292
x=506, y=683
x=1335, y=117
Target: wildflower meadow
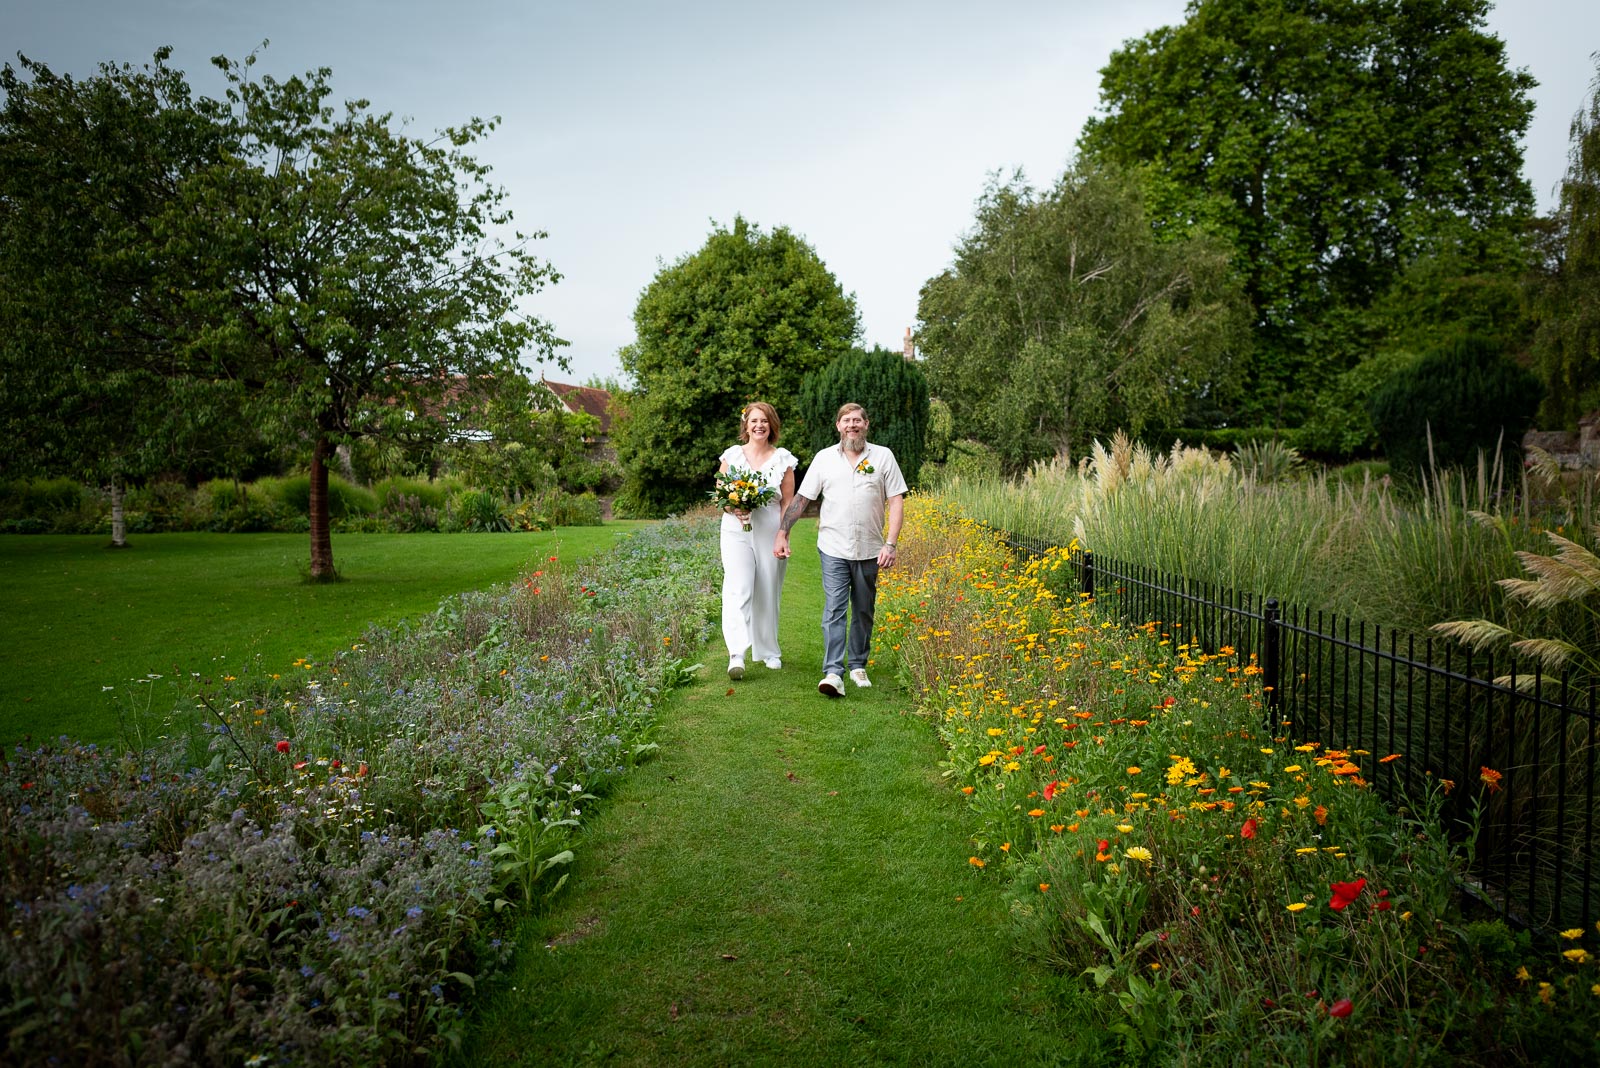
x=315, y=866
x=1229, y=895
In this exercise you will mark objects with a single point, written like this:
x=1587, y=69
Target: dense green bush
x=1464, y=397
x=344, y=499
x=891, y=389
x=49, y=506
x=967, y=461
x=479, y=511
x=429, y=494
x=1221, y=439
x=395, y=505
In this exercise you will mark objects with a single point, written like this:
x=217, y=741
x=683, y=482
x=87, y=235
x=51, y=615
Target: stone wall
x=1572, y=450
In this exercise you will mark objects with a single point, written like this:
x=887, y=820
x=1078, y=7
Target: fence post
x=1271, y=650
x=1088, y=572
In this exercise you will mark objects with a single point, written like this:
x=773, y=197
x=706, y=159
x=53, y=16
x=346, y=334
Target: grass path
x=784, y=884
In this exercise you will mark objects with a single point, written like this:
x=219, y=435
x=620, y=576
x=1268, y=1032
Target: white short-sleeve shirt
x=854, y=497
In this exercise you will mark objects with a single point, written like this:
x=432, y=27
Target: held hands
x=780, y=545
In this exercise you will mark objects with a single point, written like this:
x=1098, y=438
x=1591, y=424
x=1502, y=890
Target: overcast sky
x=868, y=127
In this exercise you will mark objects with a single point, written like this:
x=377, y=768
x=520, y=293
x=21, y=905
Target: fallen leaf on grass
x=729, y=693
x=729, y=956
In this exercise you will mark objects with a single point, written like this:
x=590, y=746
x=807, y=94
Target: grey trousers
x=851, y=584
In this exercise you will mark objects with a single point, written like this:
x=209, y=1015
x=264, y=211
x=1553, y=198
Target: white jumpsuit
x=752, y=578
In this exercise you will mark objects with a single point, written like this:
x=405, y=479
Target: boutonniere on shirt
x=864, y=468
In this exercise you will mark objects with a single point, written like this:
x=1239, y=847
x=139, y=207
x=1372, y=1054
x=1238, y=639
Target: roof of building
x=586, y=399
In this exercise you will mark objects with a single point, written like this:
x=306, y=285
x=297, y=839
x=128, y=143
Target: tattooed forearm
x=792, y=514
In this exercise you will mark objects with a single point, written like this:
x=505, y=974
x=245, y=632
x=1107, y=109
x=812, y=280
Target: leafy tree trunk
x=321, y=535
x=119, y=522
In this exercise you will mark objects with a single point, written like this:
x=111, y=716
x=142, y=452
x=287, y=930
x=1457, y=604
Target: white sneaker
x=831, y=685
x=736, y=667
x=774, y=662
x=859, y=677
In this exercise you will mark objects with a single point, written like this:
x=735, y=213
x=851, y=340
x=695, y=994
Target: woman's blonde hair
x=773, y=423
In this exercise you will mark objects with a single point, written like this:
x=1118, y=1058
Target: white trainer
x=831, y=685
x=736, y=667
x=859, y=677
x=773, y=662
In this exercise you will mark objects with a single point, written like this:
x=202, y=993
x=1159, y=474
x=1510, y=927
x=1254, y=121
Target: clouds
x=628, y=126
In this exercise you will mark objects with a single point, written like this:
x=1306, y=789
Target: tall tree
x=746, y=317
x=329, y=265
x=87, y=356
x=1567, y=350
x=344, y=267
x=1065, y=315
x=1335, y=142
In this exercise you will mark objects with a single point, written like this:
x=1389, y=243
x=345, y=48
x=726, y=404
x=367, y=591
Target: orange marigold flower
x=1390, y=759
x=976, y=862
x=1321, y=815
x=1490, y=778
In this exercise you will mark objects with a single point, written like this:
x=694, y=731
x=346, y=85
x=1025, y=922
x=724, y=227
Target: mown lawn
x=82, y=622
x=786, y=883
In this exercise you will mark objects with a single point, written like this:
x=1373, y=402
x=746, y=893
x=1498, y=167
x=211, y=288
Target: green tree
x=1454, y=401
x=1065, y=315
x=87, y=351
x=1567, y=349
x=346, y=268
x=745, y=318
x=1334, y=142
x=333, y=268
x=891, y=388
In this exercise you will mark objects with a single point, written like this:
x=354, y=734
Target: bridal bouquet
x=743, y=491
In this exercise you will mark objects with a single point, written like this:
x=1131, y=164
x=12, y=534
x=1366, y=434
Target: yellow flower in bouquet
x=743, y=491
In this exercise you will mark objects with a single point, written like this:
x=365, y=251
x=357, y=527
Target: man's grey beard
x=856, y=446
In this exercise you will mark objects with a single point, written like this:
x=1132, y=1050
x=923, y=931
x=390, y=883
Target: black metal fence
x=1450, y=714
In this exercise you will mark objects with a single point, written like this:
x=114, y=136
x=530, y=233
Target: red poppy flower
x=361, y=771
x=1249, y=828
x=1038, y=749
x=1104, y=845
x=1050, y=790
x=1341, y=1008
x=1168, y=701
x=1345, y=894
x=301, y=764
x=335, y=765
x=283, y=746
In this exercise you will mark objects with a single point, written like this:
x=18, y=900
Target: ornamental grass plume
x=1568, y=580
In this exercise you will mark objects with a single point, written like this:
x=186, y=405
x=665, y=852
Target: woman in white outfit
x=752, y=577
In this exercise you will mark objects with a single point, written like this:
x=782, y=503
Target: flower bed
x=315, y=870
x=1227, y=895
